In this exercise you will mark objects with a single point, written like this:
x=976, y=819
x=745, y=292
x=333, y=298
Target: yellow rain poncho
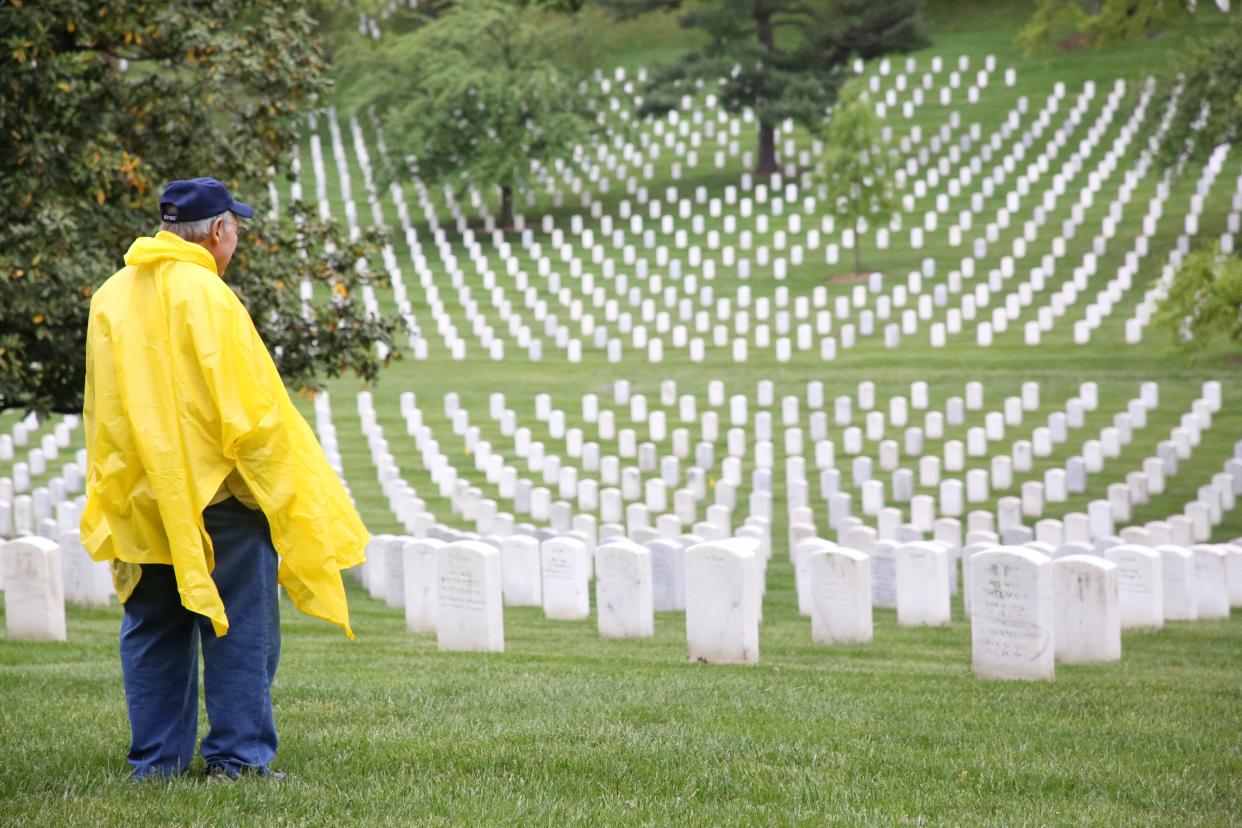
x=180, y=393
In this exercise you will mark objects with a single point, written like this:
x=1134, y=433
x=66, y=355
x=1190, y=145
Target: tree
x=1209, y=111
x=857, y=167
x=1207, y=69
x=100, y=104
x=1205, y=301
x=1100, y=23
x=783, y=59
x=480, y=92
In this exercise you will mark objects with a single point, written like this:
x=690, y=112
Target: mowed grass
x=567, y=728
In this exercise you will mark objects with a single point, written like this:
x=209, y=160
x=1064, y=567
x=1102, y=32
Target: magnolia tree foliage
x=103, y=103
x=1204, y=304
x=475, y=95
x=1207, y=70
x=1205, y=301
x=782, y=59
x=857, y=167
x=1209, y=74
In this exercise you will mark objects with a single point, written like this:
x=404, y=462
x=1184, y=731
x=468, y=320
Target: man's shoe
x=230, y=774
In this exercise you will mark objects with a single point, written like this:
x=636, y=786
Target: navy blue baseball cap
x=199, y=198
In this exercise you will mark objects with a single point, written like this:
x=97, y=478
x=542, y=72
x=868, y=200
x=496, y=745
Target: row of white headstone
x=1094, y=526
x=976, y=530
x=458, y=589
x=1145, y=310
x=806, y=337
x=351, y=215
x=30, y=499
x=569, y=482
x=1029, y=610
x=1026, y=607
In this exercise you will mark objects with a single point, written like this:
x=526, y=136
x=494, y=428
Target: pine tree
x=783, y=59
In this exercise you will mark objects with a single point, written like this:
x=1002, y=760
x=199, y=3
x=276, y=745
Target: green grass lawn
x=565, y=727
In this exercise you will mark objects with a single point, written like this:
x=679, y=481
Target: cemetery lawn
x=566, y=727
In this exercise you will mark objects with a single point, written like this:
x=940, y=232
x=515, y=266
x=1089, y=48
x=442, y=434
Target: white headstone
x=722, y=603
x=883, y=572
x=375, y=567
x=623, y=590
x=566, y=595
x=1087, y=619
x=1177, y=578
x=1139, y=592
x=802, y=551
x=922, y=585
x=1233, y=572
x=469, y=606
x=391, y=584
x=1211, y=589
x=419, y=569
x=34, y=598
x=668, y=575
x=521, y=571
x=87, y=582
x=840, y=597
x=1011, y=614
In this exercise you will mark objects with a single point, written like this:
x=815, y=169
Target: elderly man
x=205, y=488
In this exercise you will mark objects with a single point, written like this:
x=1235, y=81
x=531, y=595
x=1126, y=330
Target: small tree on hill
x=857, y=167
x=479, y=93
x=783, y=59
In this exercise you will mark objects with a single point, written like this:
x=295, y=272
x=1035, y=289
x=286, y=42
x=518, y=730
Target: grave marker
x=566, y=595
x=521, y=573
x=419, y=570
x=1087, y=619
x=1177, y=578
x=1140, y=594
x=469, y=610
x=1011, y=627
x=623, y=590
x=34, y=600
x=922, y=575
x=840, y=596
x=722, y=603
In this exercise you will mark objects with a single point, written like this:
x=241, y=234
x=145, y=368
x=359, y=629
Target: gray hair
x=193, y=231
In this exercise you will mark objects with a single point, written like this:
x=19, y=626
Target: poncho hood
x=164, y=245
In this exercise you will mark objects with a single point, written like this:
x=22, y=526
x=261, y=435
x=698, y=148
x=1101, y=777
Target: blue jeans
x=159, y=656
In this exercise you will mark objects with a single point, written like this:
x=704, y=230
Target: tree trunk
x=506, y=206
x=857, y=250
x=766, y=163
